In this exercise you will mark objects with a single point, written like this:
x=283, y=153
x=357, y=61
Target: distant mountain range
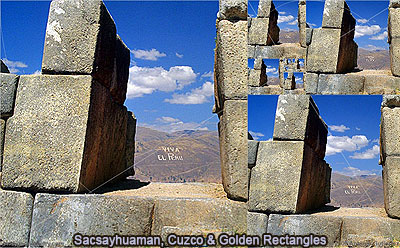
x=367, y=59
x=193, y=156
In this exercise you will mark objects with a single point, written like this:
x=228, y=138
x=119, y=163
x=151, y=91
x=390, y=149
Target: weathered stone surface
x=264, y=8
x=258, y=32
x=119, y=83
x=232, y=74
x=391, y=185
x=394, y=4
x=232, y=10
x=285, y=50
x=333, y=14
x=390, y=132
x=251, y=51
x=56, y=218
x=252, y=151
x=311, y=83
x=55, y=114
x=80, y=40
x=2, y=131
x=257, y=77
x=232, y=130
x=8, y=89
x=130, y=143
x=301, y=14
x=303, y=34
x=309, y=34
x=394, y=50
x=393, y=24
x=391, y=101
x=271, y=188
x=266, y=90
x=199, y=215
x=370, y=232
x=381, y=84
x=340, y=84
x=4, y=68
x=323, y=51
x=297, y=118
x=305, y=224
x=15, y=218
x=256, y=223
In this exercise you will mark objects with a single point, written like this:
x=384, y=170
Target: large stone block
x=233, y=149
x=394, y=50
x=381, y=84
x=232, y=69
x=119, y=84
x=15, y=218
x=391, y=185
x=66, y=135
x=370, y=232
x=199, y=216
x=273, y=190
x=340, y=84
x=285, y=50
x=297, y=118
x=266, y=90
x=390, y=132
x=256, y=223
x=328, y=226
x=8, y=89
x=258, y=32
x=310, y=83
x=252, y=151
x=394, y=24
x=309, y=34
x=323, y=51
x=80, y=39
x=130, y=143
x=56, y=218
x=3, y=67
x=2, y=131
x=232, y=10
x=337, y=15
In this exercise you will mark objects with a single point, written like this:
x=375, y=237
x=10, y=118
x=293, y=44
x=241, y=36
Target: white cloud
x=293, y=22
x=282, y=13
x=282, y=18
x=167, y=119
x=312, y=24
x=352, y=172
x=375, y=141
x=381, y=36
x=337, y=144
x=363, y=21
x=373, y=48
x=256, y=135
x=170, y=124
x=209, y=74
x=145, y=80
x=289, y=29
x=152, y=54
x=366, y=30
x=196, y=96
x=179, y=55
x=37, y=72
x=358, y=129
x=341, y=129
x=13, y=66
x=368, y=154
x=271, y=70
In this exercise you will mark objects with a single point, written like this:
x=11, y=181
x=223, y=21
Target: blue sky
x=353, y=122
x=172, y=44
